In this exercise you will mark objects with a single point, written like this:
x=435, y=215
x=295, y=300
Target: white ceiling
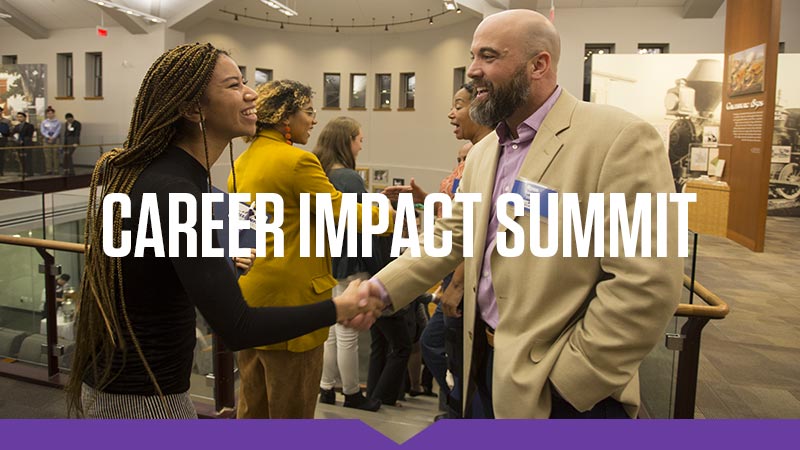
x=61, y=14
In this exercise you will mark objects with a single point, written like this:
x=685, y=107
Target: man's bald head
x=532, y=29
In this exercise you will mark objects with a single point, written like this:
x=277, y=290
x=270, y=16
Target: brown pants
x=278, y=384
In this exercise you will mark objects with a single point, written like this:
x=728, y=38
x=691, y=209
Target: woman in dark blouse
x=136, y=324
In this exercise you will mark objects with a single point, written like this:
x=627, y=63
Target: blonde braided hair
x=279, y=99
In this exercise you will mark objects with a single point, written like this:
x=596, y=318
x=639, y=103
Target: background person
x=5, y=133
x=337, y=149
x=72, y=138
x=50, y=128
x=23, y=135
x=281, y=381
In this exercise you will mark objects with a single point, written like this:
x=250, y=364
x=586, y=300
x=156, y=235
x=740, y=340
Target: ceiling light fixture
x=337, y=27
x=4, y=15
x=130, y=11
x=275, y=4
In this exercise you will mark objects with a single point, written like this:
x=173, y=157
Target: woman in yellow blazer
x=281, y=381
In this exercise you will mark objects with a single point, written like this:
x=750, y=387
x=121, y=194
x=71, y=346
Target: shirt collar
x=528, y=128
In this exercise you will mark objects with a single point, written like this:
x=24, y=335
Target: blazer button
x=469, y=334
x=475, y=289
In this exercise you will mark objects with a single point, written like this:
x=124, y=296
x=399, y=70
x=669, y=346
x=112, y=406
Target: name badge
x=527, y=189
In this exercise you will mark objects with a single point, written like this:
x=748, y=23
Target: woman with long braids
x=136, y=323
x=281, y=381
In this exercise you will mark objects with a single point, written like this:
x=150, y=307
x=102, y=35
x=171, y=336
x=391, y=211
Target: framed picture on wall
x=398, y=181
x=364, y=172
x=782, y=154
x=746, y=71
x=699, y=159
x=378, y=188
x=380, y=176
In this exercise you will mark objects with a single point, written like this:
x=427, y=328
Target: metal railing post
x=50, y=271
x=688, y=365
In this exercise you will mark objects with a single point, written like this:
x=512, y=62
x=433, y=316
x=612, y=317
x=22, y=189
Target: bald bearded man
x=559, y=337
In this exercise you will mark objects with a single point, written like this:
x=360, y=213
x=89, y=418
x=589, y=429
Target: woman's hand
x=392, y=192
x=354, y=303
x=245, y=263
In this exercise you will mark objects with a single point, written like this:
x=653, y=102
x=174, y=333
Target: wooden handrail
x=42, y=243
x=715, y=308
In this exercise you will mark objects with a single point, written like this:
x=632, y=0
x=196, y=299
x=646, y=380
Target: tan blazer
x=581, y=324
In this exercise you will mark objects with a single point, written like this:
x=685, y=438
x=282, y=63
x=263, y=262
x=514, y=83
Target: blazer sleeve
x=635, y=297
x=407, y=277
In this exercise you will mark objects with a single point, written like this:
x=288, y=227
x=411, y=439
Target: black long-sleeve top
x=161, y=294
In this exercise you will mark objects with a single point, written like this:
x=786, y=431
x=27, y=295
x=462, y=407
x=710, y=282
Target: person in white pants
x=337, y=148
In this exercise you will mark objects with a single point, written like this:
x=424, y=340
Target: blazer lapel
x=484, y=184
x=546, y=144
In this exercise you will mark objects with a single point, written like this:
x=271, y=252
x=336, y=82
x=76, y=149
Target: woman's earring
x=288, y=134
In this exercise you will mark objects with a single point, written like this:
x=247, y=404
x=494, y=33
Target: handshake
x=359, y=305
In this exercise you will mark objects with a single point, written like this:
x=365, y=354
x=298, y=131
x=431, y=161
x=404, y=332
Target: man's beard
x=500, y=101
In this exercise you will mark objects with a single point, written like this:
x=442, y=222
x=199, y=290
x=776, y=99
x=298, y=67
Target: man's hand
x=357, y=307
x=454, y=293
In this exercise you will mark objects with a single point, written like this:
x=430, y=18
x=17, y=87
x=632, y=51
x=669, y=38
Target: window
x=589, y=50
x=459, y=78
x=9, y=59
x=94, y=75
x=330, y=90
x=358, y=91
x=64, y=82
x=263, y=76
x=383, y=91
x=653, y=49
x=408, y=83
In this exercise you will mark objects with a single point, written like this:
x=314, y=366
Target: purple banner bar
x=443, y=435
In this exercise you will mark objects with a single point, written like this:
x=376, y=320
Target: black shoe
x=358, y=401
x=327, y=396
x=428, y=392
x=440, y=417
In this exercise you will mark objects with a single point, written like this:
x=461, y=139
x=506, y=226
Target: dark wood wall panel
x=749, y=23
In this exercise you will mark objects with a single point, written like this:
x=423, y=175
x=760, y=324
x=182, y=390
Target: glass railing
x=668, y=375
x=21, y=301
x=37, y=161
x=37, y=345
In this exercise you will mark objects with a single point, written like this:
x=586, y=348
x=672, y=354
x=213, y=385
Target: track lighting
x=129, y=11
